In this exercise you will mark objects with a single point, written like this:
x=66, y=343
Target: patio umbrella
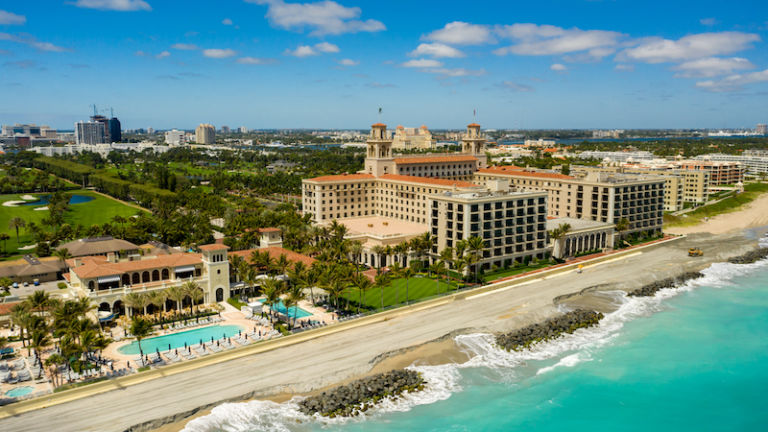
x=169, y=347
x=211, y=339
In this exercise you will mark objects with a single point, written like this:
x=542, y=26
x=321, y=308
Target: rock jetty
x=362, y=395
x=750, y=257
x=550, y=329
x=671, y=282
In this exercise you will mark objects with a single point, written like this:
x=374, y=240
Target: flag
x=379, y=110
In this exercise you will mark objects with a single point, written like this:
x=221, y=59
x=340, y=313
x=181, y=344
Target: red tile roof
x=97, y=266
x=213, y=247
x=5, y=308
x=523, y=173
x=379, y=125
x=434, y=159
x=428, y=180
x=270, y=229
x=275, y=253
x=473, y=125
x=342, y=177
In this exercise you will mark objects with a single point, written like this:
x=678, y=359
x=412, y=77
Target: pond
x=74, y=199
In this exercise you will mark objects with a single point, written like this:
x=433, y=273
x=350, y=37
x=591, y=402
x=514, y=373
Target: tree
x=190, y=287
x=272, y=289
x=378, y=250
x=4, y=237
x=62, y=254
x=39, y=340
x=39, y=301
x=53, y=362
x=437, y=269
x=475, y=245
x=136, y=300
x=363, y=284
x=140, y=328
x=197, y=295
x=157, y=299
x=558, y=234
x=16, y=223
x=177, y=294
x=621, y=226
x=282, y=263
x=407, y=275
x=5, y=283
x=381, y=281
x=295, y=295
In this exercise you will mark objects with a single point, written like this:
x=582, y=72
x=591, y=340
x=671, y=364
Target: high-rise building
x=92, y=132
x=225, y=130
x=30, y=130
x=413, y=138
x=205, y=134
x=115, y=132
x=762, y=129
x=105, y=121
x=175, y=137
x=243, y=129
x=150, y=131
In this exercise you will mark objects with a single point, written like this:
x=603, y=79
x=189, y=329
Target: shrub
x=61, y=285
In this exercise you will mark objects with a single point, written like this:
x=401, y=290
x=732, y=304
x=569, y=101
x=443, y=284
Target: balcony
x=147, y=286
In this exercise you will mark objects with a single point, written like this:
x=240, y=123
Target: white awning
x=108, y=279
x=184, y=269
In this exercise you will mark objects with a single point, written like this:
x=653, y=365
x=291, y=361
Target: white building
x=90, y=133
x=175, y=137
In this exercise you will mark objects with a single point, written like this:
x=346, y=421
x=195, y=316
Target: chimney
x=111, y=257
x=77, y=262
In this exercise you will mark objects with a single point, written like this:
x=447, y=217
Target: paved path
x=329, y=359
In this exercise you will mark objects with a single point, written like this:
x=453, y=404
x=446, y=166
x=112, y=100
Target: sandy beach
x=755, y=214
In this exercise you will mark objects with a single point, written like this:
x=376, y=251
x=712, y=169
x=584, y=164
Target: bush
x=61, y=285
x=236, y=303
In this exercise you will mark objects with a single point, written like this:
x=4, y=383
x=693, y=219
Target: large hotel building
x=457, y=196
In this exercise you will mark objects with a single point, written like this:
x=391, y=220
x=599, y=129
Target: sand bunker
x=29, y=197
x=41, y=208
x=12, y=203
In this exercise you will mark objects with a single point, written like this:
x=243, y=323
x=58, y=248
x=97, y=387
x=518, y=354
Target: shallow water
x=692, y=358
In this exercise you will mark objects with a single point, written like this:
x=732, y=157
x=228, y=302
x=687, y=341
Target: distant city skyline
x=274, y=64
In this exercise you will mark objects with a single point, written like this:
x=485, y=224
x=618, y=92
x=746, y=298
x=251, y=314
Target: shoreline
x=326, y=361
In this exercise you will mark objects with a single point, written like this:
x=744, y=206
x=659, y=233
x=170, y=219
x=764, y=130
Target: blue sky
x=331, y=64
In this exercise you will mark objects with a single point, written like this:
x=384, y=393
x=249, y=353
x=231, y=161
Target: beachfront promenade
x=328, y=359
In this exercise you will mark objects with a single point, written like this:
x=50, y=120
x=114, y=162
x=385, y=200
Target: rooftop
x=524, y=173
x=429, y=180
x=342, y=177
x=213, y=247
x=97, y=266
x=576, y=224
x=434, y=159
x=382, y=226
x=97, y=246
x=274, y=253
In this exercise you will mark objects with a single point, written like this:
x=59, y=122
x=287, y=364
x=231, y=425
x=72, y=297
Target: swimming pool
x=74, y=199
x=19, y=391
x=177, y=340
x=300, y=313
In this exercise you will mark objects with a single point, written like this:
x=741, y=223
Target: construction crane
x=95, y=113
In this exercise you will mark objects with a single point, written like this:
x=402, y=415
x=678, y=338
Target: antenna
x=379, y=114
x=94, y=110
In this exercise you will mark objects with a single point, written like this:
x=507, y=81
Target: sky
x=546, y=64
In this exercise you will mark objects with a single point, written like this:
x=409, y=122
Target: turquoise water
x=689, y=359
x=177, y=340
x=300, y=313
x=74, y=199
x=20, y=391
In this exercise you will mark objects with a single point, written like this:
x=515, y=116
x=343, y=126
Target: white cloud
x=114, y=5
x=457, y=72
x=461, y=33
x=422, y=63
x=348, y=62
x=436, y=50
x=709, y=22
x=537, y=40
x=10, y=18
x=711, y=67
x=623, y=67
x=256, y=61
x=558, y=67
x=733, y=82
x=219, y=53
x=327, y=47
x=516, y=87
x=163, y=55
x=226, y=22
x=658, y=50
x=184, y=47
x=31, y=41
x=322, y=18
x=302, y=51
x=313, y=50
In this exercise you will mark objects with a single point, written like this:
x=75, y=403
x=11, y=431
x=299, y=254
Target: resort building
x=107, y=279
x=601, y=197
x=754, y=162
x=205, y=134
x=413, y=139
x=583, y=236
x=32, y=269
x=99, y=246
x=720, y=172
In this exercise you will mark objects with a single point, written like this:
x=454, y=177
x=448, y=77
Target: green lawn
x=97, y=211
x=418, y=287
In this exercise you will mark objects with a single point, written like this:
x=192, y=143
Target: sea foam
x=569, y=350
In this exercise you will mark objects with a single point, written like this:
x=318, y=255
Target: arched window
x=91, y=285
x=164, y=274
x=126, y=279
x=135, y=279
x=155, y=275
x=145, y=276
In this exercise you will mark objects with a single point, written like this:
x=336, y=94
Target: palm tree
x=4, y=237
x=295, y=295
x=136, y=300
x=461, y=265
x=272, y=289
x=189, y=288
x=334, y=285
x=396, y=272
x=5, y=283
x=380, y=281
x=157, y=299
x=282, y=263
x=197, y=295
x=62, y=254
x=355, y=249
x=558, y=234
x=621, y=226
x=140, y=328
x=378, y=250
x=438, y=269
x=53, y=362
x=39, y=301
x=475, y=245
x=15, y=224
x=177, y=294
x=39, y=340
x=407, y=274
x=363, y=284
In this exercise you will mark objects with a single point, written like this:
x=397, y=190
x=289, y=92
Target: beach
x=754, y=214
x=331, y=359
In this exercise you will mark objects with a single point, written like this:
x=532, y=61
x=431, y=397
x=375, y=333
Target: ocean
x=690, y=358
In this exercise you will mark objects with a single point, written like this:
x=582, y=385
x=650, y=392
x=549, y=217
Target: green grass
x=98, y=211
x=236, y=303
x=727, y=205
x=418, y=288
